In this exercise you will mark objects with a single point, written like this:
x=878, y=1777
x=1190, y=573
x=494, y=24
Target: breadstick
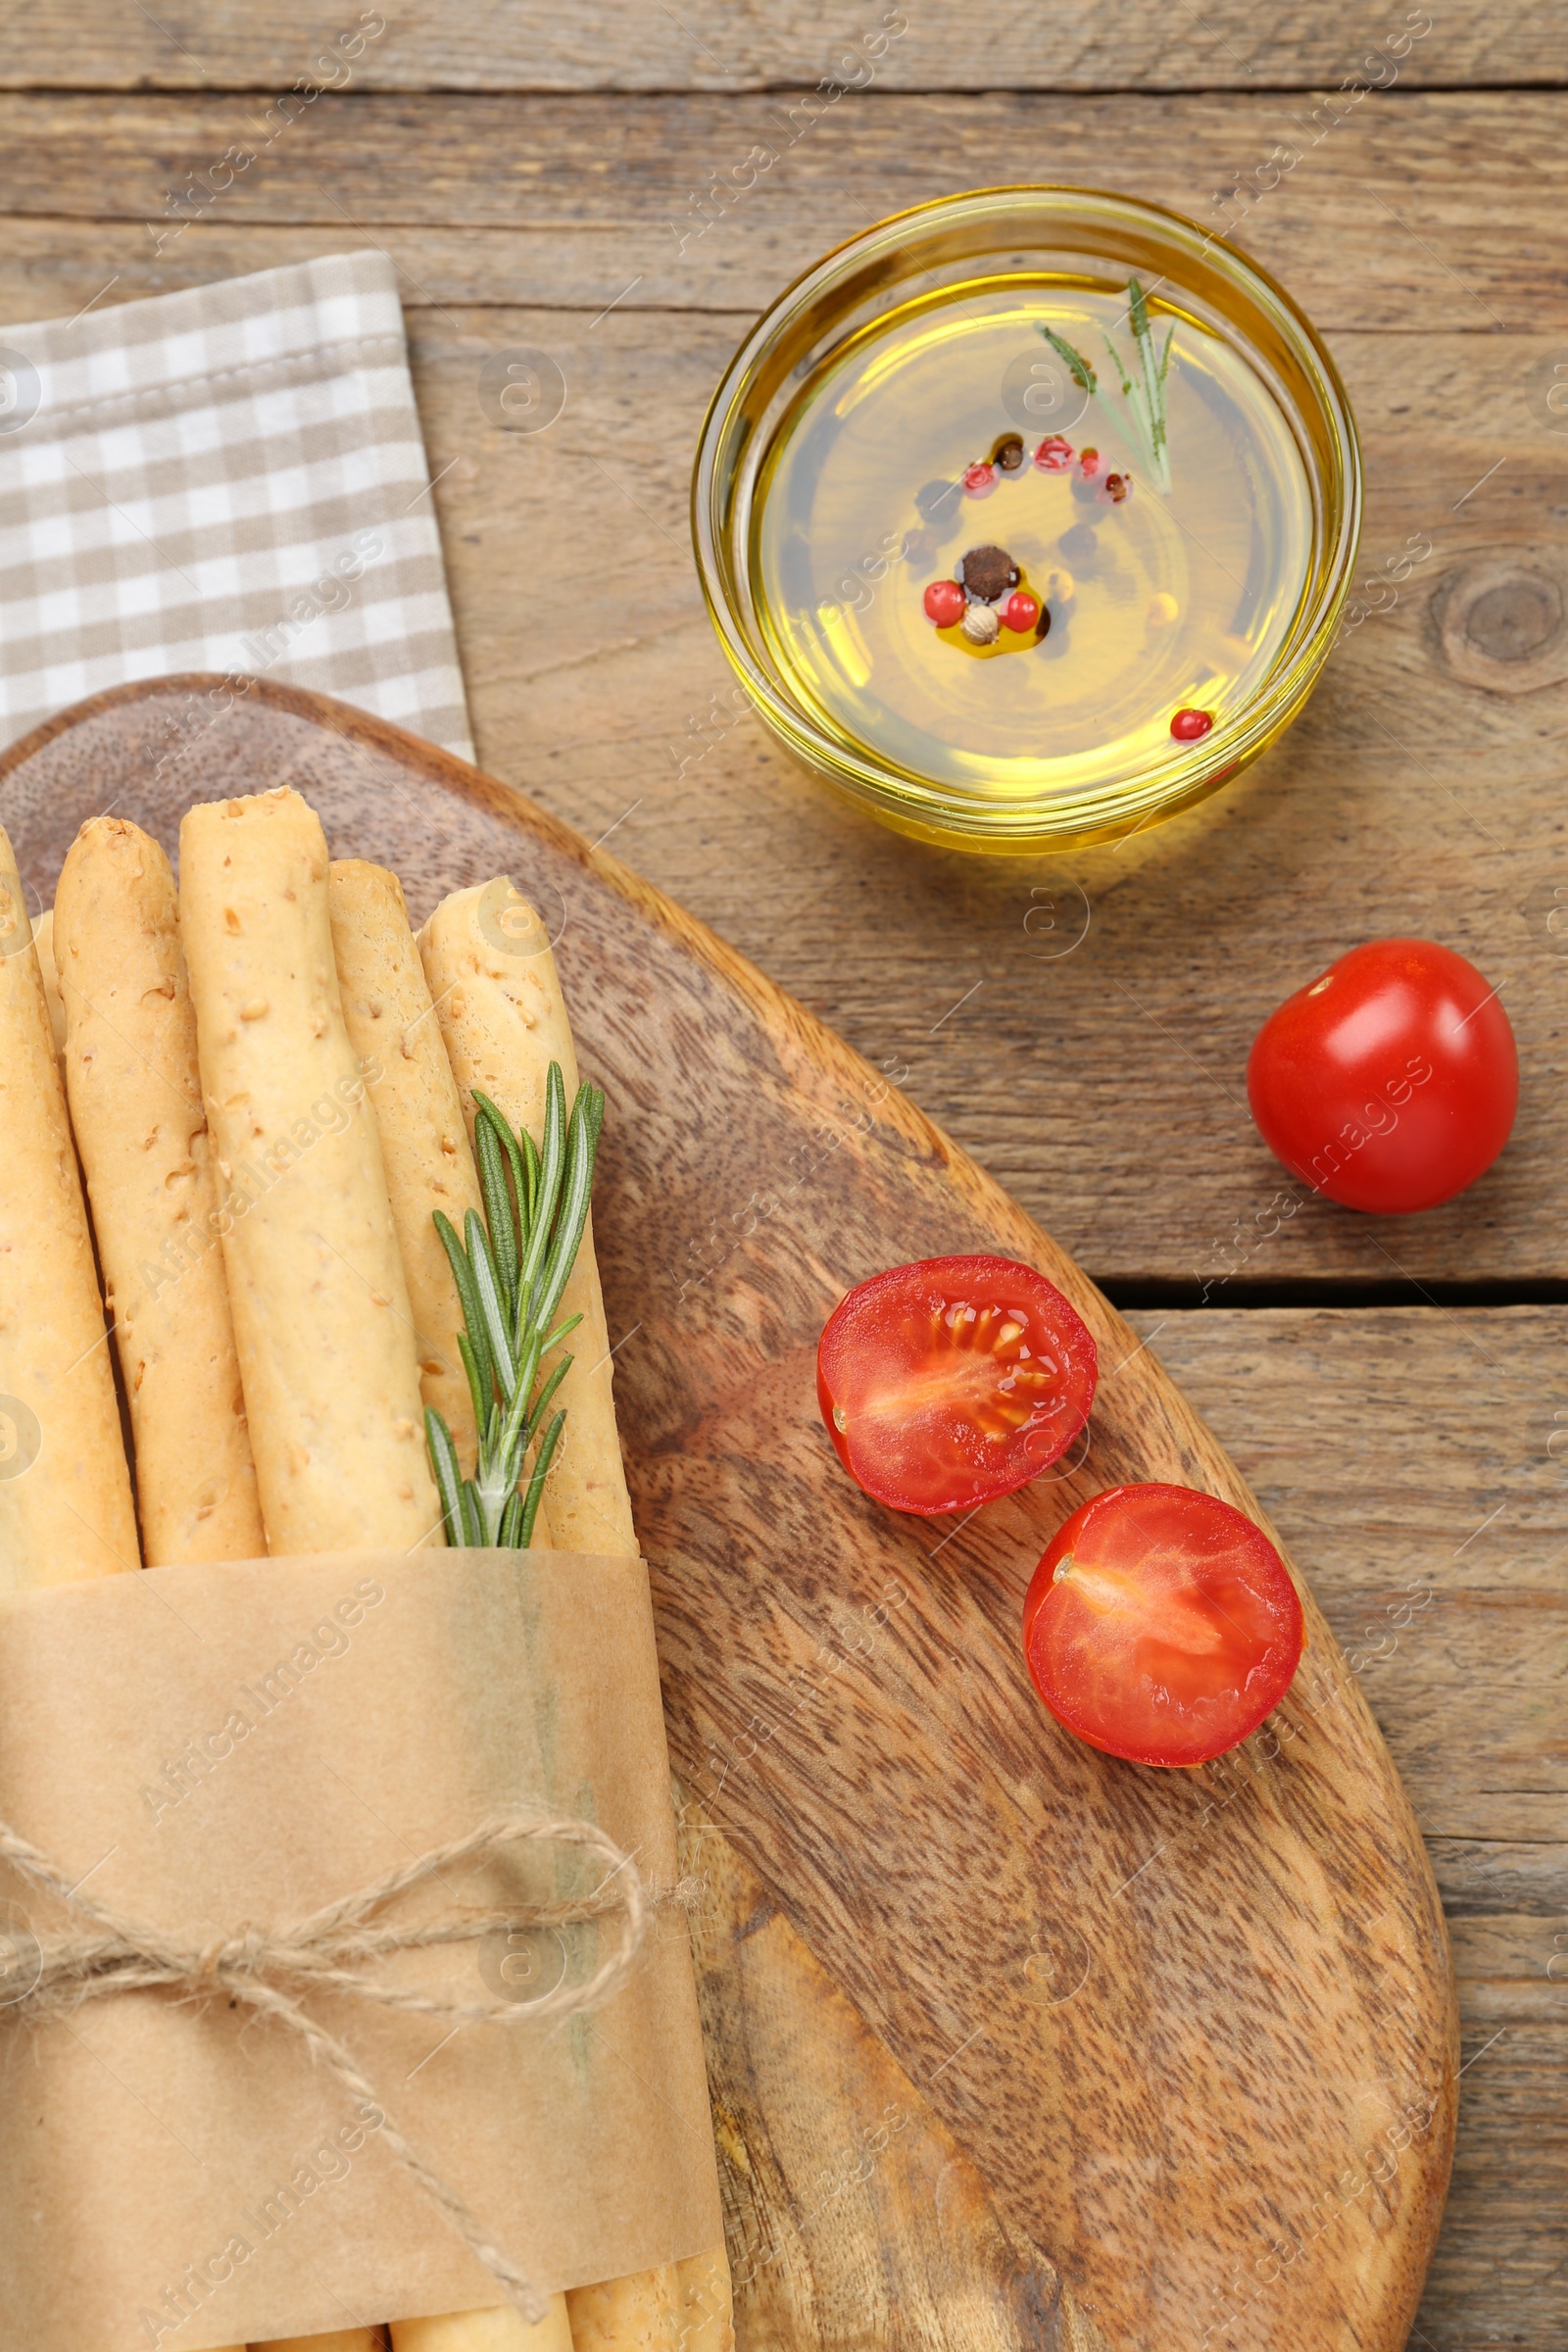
x=638, y=2313
x=43, y=942
x=339, y=2341
x=424, y=1147
x=137, y=1110
x=501, y=1014
x=681, y=2307
x=65, y=1489
x=707, y=2303
x=316, y=1284
x=344, y=2339
x=500, y=2331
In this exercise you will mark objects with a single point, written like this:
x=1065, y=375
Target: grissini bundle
x=137, y=1110
x=65, y=1489
x=316, y=1281
x=498, y=998
x=266, y=882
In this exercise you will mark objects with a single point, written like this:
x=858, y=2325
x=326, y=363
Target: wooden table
x=569, y=182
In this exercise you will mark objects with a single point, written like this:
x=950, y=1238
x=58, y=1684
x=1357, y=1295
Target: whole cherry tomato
x=1390, y=1082
x=948, y=1381
x=1161, y=1625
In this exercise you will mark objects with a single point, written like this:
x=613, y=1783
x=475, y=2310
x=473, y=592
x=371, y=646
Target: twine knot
x=270, y=1969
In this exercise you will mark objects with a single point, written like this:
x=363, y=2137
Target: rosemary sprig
x=511, y=1270
x=1144, y=419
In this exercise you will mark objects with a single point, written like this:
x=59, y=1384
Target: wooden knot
x=1501, y=626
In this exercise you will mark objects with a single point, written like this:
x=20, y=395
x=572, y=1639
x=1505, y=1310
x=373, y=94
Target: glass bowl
x=918, y=283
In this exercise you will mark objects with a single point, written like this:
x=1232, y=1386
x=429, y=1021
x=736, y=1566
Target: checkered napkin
x=230, y=478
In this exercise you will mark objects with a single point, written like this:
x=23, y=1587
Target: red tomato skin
x=1132, y=1739
x=856, y=1317
x=1390, y=1082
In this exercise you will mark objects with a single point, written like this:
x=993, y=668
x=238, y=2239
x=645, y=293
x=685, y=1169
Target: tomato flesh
x=948, y=1381
x=1161, y=1625
x=1390, y=1082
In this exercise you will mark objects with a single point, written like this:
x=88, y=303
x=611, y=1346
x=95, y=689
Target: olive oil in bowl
x=1027, y=517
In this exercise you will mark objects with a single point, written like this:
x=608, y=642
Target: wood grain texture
x=853, y=2217
x=1417, y=1464
x=1081, y=1027
x=1195, y=2032
x=1406, y=210
x=731, y=45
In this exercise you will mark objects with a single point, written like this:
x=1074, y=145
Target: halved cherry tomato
x=954, y=1380
x=1390, y=1082
x=1161, y=1625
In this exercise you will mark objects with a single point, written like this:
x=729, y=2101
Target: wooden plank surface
x=1077, y=1023
x=1410, y=1452
x=732, y=45
x=1425, y=233
x=1419, y=213
x=1191, y=2028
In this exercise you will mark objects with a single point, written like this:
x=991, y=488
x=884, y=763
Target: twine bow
x=270, y=1969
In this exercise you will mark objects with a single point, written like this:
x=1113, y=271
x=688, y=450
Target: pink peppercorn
x=1191, y=727
x=1054, y=455
x=979, y=480
x=1020, y=612
x=944, y=602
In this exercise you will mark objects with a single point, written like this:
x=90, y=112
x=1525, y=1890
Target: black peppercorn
x=987, y=573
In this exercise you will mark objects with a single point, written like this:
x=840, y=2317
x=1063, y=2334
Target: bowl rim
x=926, y=807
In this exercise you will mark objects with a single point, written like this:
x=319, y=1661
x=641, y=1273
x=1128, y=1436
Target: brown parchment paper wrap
x=393, y=1701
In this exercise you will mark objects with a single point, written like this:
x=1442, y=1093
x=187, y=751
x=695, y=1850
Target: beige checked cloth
x=230, y=478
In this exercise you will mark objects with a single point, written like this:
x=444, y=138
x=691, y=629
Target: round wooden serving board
x=1010, y=2044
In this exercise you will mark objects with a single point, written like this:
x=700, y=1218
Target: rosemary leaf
x=530, y=1163
x=481, y=1381
x=1143, y=419
x=563, y=1331
x=552, y=1168
x=490, y=1154
x=481, y=1377
x=573, y=1217
x=448, y=1476
x=517, y=1423
x=537, y=1483
x=1083, y=375
x=492, y=1306
x=496, y=1123
x=511, y=1270
x=542, y=1401
x=1115, y=360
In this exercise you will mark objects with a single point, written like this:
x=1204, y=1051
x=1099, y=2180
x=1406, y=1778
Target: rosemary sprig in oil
x=511, y=1270
x=1144, y=419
